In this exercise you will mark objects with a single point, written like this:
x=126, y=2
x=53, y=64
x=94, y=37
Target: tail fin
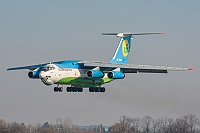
x=122, y=51
x=124, y=46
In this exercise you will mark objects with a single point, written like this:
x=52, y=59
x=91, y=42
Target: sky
x=33, y=32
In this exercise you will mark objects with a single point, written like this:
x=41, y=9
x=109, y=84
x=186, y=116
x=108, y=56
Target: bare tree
x=156, y=126
x=181, y=125
x=125, y=125
x=171, y=126
x=116, y=128
x=64, y=125
x=192, y=122
x=15, y=127
x=164, y=125
x=3, y=125
x=136, y=125
x=146, y=123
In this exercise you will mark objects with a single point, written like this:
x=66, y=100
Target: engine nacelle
x=34, y=74
x=95, y=74
x=116, y=75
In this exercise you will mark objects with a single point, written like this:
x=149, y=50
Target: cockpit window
x=48, y=68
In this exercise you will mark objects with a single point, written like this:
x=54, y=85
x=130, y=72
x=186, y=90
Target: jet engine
x=116, y=75
x=95, y=74
x=34, y=74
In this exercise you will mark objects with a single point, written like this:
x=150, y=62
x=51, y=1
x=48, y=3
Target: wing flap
x=152, y=71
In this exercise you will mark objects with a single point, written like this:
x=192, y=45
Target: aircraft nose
x=42, y=74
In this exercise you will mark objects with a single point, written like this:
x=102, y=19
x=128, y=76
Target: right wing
x=32, y=67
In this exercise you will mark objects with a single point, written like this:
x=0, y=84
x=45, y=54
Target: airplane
x=79, y=74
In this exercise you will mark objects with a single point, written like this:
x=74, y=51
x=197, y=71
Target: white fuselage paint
x=57, y=73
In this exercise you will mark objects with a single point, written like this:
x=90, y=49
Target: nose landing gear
x=58, y=89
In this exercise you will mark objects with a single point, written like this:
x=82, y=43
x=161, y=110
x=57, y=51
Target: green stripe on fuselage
x=84, y=82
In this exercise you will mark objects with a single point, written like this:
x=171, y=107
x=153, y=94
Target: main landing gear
x=75, y=89
x=97, y=89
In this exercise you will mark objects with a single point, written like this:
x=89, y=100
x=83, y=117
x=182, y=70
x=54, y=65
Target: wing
x=32, y=67
x=131, y=68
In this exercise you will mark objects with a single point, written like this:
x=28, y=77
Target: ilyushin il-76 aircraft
x=79, y=74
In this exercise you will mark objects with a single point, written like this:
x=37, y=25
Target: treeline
x=60, y=127
x=185, y=124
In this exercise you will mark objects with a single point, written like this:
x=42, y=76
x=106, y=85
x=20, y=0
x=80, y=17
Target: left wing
x=131, y=68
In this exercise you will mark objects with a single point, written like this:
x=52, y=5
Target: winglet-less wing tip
x=191, y=69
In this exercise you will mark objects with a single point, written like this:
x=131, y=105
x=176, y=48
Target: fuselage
x=70, y=73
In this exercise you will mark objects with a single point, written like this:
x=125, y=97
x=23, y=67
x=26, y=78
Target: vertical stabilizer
x=122, y=51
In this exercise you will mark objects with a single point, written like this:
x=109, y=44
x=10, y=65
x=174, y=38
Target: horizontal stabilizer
x=131, y=34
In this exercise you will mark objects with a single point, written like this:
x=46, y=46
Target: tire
x=60, y=89
x=91, y=89
x=80, y=89
x=104, y=89
x=69, y=89
x=96, y=89
x=55, y=89
x=74, y=89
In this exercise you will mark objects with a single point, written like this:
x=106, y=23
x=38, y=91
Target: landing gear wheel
x=91, y=89
x=80, y=89
x=102, y=89
x=55, y=89
x=69, y=89
x=97, y=89
x=74, y=89
x=60, y=89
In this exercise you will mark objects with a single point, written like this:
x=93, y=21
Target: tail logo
x=125, y=48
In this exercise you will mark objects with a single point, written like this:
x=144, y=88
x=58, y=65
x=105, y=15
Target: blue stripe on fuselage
x=68, y=64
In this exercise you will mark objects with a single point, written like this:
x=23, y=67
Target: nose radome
x=42, y=74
